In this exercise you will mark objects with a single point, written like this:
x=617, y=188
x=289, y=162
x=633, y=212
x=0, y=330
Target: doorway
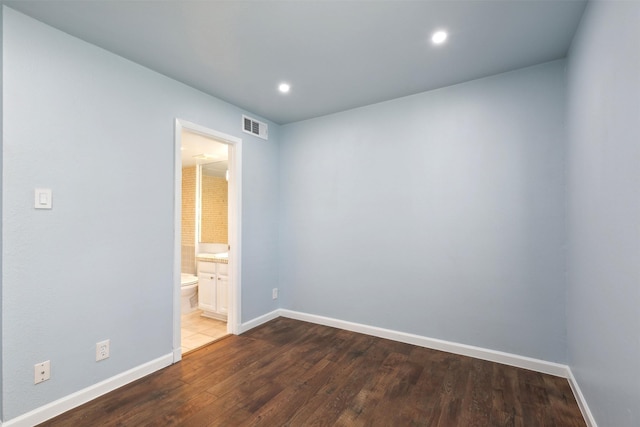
x=207, y=249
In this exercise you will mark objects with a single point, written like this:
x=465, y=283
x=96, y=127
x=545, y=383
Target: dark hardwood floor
x=292, y=373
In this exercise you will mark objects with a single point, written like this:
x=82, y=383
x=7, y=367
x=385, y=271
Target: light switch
x=43, y=198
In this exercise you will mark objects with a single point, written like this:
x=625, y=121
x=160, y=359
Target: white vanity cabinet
x=206, y=287
x=222, y=289
x=213, y=285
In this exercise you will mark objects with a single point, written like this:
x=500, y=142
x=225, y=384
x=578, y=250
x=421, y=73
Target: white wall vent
x=255, y=127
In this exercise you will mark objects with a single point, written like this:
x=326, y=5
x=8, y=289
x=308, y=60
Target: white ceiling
x=197, y=149
x=336, y=55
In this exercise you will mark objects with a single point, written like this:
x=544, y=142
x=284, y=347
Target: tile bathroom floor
x=197, y=331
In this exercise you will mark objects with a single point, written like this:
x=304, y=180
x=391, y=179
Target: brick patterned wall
x=215, y=202
x=188, y=220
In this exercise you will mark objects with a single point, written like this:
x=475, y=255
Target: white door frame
x=235, y=222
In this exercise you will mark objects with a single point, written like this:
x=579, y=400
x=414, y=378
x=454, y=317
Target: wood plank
x=506, y=408
x=477, y=402
x=174, y=413
x=453, y=390
x=564, y=406
x=425, y=397
x=372, y=394
x=282, y=407
x=351, y=369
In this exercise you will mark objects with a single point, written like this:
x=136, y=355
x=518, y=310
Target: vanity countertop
x=221, y=258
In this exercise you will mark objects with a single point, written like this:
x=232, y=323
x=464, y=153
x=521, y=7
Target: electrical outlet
x=102, y=350
x=42, y=372
x=274, y=293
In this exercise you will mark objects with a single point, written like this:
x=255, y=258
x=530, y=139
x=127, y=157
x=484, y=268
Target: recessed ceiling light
x=439, y=37
x=284, y=87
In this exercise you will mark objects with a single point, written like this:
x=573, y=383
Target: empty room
x=320, y=213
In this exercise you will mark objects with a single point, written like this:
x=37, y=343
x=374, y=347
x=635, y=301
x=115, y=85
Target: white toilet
x=188, y=293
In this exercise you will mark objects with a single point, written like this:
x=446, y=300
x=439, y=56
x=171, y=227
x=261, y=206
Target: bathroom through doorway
x=207, y=252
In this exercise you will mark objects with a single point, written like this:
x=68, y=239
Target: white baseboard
x=244, y=327
x=78, y=398
x=510, y=359
x=582, y=403
x=537, y=365
x=177, y=355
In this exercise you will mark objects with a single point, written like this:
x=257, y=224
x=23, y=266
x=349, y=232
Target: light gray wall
x=440, y=214
x=98, y=130
x=1, y=198
x=603, y=309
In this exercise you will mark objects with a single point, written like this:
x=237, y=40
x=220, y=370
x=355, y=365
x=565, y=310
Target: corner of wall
x=603, y=206
x=1, y=186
